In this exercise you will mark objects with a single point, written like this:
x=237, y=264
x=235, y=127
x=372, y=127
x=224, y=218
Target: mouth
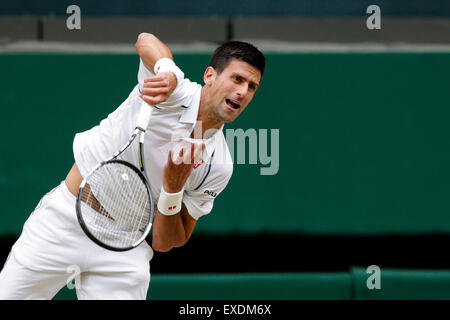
x=232, y=104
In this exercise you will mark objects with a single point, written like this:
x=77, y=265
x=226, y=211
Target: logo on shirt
x=198, y=164
x=211, y=193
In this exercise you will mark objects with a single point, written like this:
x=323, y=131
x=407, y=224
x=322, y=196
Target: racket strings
x=125, y=217
x=117, y=205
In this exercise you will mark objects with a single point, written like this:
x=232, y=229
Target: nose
x=242, y=90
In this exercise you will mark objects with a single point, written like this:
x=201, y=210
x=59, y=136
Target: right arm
x=151, y=49
x=155, y=89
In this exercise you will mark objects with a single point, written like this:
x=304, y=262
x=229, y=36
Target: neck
x=206, y=120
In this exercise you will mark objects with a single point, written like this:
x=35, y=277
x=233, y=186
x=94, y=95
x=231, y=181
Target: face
x=231, y=91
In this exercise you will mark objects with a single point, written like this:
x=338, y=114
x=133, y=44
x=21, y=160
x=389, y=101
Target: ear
x=209, y=76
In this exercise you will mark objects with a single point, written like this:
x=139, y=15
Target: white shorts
x=53, y=249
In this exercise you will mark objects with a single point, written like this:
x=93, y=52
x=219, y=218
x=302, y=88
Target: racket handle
x=144, y=115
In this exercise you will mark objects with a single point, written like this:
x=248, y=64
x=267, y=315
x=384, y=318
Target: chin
x=227, y=118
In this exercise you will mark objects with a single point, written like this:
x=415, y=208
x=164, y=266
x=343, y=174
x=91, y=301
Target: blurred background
x=363, y=119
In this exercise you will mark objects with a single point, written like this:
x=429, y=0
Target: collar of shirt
x=189, y=116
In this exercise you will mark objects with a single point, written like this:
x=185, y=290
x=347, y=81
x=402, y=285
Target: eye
x=237, y=78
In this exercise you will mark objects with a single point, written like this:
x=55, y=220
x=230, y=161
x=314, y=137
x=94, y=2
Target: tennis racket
x=114, y=204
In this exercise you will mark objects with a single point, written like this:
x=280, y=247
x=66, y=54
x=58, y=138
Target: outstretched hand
x=178, y=169
x=157, y=89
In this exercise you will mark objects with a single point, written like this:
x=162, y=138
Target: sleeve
x=200, y=202
x=143, y=72
x=182, y=95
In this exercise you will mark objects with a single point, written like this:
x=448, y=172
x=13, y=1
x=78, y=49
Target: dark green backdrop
x=364, y=139
x=230, y=8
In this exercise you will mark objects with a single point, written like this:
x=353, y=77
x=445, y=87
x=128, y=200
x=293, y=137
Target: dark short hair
x=244, y=51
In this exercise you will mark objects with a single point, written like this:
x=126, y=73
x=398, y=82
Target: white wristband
x=170, y=203
x=166, y=64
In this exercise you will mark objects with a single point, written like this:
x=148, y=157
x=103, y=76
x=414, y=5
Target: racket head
x=114, y=206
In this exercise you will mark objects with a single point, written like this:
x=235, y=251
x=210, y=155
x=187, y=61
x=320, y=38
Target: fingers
x=156, y=78
x=170, y=159
x=191, y=154
x=197, y=154
x=153, y=101
x=155, y=83
x=175, y=159
x=184, y=156
x=194, y=155
x=179, y=158
x=155, y=90
x=155, y=96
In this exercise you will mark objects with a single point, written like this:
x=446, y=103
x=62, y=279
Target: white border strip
x=267, y=46
x=290, y=47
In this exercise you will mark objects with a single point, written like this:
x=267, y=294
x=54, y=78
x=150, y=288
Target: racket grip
x=144, y=115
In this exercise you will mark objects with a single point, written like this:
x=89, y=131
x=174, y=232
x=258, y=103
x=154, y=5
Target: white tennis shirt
x=171, y=122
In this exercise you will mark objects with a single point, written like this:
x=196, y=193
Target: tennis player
x=187, y=161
